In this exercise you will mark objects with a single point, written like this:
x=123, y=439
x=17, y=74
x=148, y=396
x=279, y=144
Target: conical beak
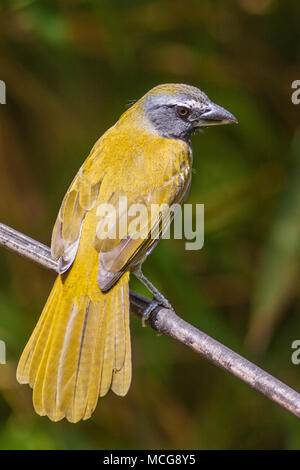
x=215, y=115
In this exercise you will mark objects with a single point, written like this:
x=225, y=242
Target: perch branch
x=167, y=322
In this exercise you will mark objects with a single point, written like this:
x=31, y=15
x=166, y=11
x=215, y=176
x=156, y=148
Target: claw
x=152, y=306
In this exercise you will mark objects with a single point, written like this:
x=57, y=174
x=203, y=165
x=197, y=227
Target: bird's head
x=177, y=110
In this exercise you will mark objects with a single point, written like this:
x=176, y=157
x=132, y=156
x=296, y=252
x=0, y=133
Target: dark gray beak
x=214, y=116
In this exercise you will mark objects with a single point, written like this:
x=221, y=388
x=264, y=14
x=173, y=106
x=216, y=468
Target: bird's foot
x=156, y=302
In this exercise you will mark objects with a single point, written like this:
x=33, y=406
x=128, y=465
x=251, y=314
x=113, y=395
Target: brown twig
x=167, y=322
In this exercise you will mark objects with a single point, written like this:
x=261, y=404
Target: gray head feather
x=176, y=111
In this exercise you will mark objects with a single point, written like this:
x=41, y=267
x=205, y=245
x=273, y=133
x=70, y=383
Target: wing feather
x=130, y=248
x=106, y=177
x=80, y=198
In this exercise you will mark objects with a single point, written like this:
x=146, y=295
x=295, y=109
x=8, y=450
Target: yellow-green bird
x=80, y=347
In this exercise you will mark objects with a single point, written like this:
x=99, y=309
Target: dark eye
x=182, y=111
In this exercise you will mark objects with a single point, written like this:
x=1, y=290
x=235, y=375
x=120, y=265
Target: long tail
x=79, y=349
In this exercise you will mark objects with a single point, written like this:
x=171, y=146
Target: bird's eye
x=182, y=111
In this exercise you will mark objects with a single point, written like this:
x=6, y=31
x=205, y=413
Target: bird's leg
x=159, y=299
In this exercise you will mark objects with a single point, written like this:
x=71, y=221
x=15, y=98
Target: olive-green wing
x=147, y=215
x=80, y=198
x=104, y=182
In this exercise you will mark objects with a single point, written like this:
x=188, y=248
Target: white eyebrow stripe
x=188, y=103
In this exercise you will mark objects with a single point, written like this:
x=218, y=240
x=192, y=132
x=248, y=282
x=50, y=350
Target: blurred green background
x=71, y=67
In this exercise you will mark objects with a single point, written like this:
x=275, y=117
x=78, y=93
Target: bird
x=81, y=347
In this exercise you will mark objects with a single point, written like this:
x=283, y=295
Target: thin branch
x=167, y=322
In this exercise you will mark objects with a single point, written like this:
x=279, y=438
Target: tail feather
x=91, y=389
x=116, y=373
x=109, y=351
x=120, y=329
x=31, y=356
x=122, y=375
x=79, y=349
